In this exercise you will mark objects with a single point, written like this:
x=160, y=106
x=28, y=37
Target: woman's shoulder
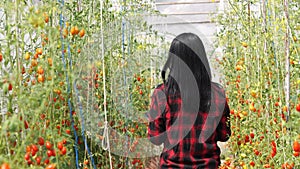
x=159, y=91
x=218, y=88
x=159, y=87
x=217, y=85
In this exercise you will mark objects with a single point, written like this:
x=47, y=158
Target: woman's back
x=188, y=112
x=196, y=148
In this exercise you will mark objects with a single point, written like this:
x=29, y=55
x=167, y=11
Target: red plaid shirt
x=188, y=152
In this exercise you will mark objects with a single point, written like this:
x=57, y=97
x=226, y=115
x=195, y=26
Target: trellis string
x=62, y=24
x=105, y=141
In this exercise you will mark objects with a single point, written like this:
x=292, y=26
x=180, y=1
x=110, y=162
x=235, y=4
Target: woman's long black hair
x=187, y=51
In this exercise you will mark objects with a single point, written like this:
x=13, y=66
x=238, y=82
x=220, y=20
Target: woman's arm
x=157, y=128
x=223, y=129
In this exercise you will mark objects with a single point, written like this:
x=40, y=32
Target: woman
x=188, y=112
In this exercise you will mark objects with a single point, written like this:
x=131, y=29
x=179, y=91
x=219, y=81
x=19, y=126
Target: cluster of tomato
x=34, y=152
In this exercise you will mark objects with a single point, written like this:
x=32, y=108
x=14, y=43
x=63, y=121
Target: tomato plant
x=47, y=48
x=260, y=61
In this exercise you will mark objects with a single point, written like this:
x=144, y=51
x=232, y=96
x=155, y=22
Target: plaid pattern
x=190, y=139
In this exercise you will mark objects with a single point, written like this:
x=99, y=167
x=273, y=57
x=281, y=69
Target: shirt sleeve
x=223, y=129
x=156, y=127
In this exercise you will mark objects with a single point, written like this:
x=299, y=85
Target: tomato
x=48, y=145
x=296, y=146
x=49, y=153
x=247, y=138
x=1, y=57
x=33, y=153
x=298, y=107
x=244, y=44
x=53, y=152
x=34, y=62
x=26, y=124
x=46, y=17
x=10, y=87
x=68, y=131
x=74, y=30
x=51, y=166
x=27, y=156
x=82, y=33
x=50, y=62
x=5, y=166
x=64, y=151
x=41, y=141
x=252, y=135
x=40, y=70
x=86, y=162
x=296, y=154
x=46, y=161
x=284, y=108
x=286, y=166
x=267, y=166
x=257, y=152
x=252, y=163
x=23, y=70
x=28, y=149
x=29, y=162
x=38, y=160
x=39, y=51
x=59, y=145
x=35, y=56
x=238, y=67
x=34, y=148
x=65, y=32
x=41, y=78
x=64, y=141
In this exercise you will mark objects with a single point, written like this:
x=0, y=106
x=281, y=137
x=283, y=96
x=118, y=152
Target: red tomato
x=53, y=153
x=252, y=163
x=49, y=153
x=64, y=141
x=1, y=58
x=38, y=160
x=257, y=152
x=48, y=145
x=41, y=141
x=64, y=151
x=59, y=145
x=29, y=162
x=34, y=148
x=252, y=135
x=298, y=107
x=68, y=131
x=296, y=146
x=33, y=153
x=27, y=156
x=46, y=161
x=26, y=124
x=10, y=86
